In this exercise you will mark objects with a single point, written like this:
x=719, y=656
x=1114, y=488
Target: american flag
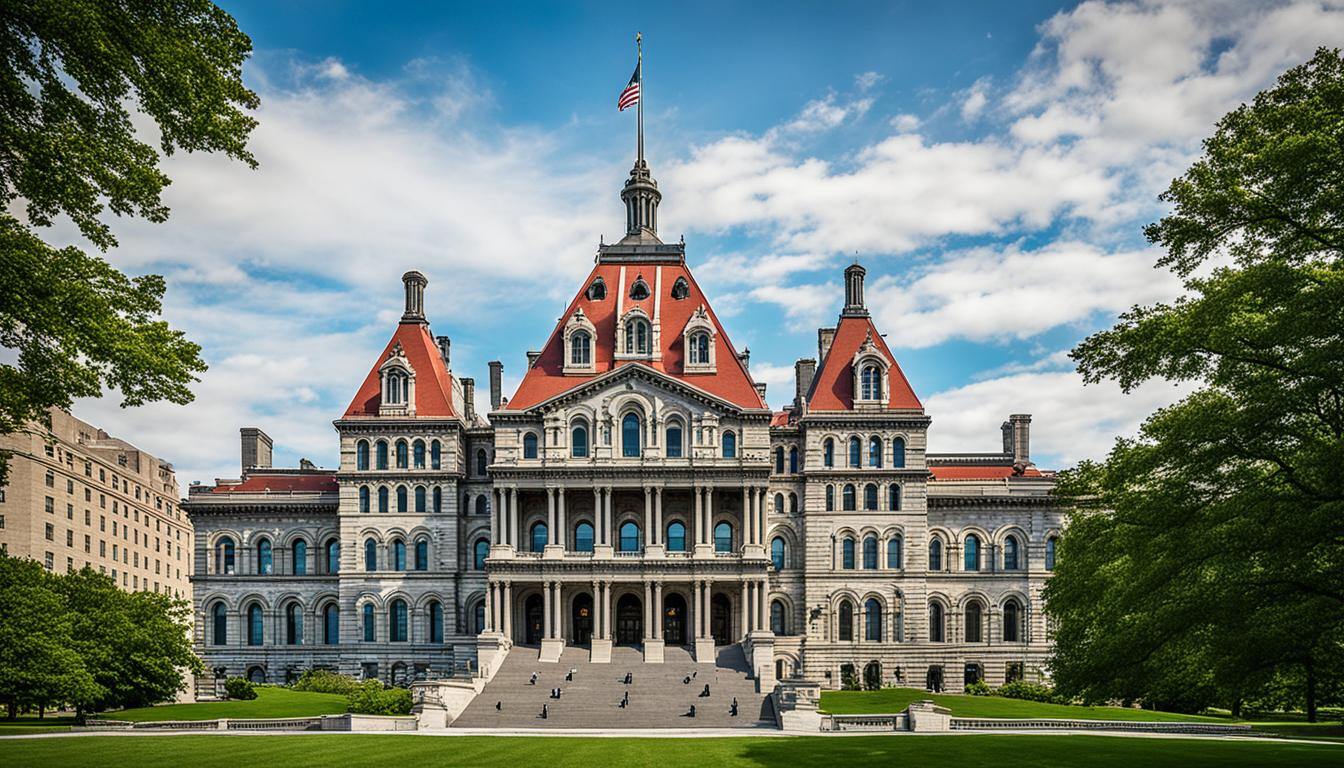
x=630, y=96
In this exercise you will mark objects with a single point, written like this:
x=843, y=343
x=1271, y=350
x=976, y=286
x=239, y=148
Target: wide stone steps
x=660, y=697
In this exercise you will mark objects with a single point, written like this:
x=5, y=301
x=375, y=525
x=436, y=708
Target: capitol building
x=635, y=494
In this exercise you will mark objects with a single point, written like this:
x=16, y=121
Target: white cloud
x=905, y=123
x=976, y=99
x=866, y=81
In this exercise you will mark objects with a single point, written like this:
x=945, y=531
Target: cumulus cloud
x=976, y=99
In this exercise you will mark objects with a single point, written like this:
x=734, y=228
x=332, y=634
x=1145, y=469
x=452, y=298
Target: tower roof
x=413, y=343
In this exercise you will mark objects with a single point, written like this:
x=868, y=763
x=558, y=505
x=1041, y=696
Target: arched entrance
x=532, y=612
x=721, y=619
x=674, y=619
x=933, y=679
x=583, y=619
x=629, y=621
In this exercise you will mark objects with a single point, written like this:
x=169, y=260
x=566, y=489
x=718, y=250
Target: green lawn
x=29, y=724
x=891, y=700
x=270, y=702
x=352, y=751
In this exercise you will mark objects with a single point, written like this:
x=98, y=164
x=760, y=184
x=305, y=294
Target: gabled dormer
x=634, y=336
x=871, y=368
x=580, y=337
x=698, y=342
x=397, y=380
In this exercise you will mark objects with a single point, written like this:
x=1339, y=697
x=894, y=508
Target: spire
x=640, y=194
x=854, y=292
x=415, y=297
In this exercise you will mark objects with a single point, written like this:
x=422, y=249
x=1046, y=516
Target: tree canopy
x=1204, y=562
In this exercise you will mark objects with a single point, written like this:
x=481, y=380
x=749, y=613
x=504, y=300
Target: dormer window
x=579, y=335
x=870, y=382
x=870, y=374
x=637, y=336
x=581, y=349
x=396, y=390
x=640, y=290
x=681, y=289
x=597, y=291
x=397, y=384
x=700, y=348
x=698, y=338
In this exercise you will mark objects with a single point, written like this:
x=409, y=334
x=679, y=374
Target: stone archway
x=581, y=614
x=721, y=619
x=629, y=620
x=674, y=619
x=532, y=620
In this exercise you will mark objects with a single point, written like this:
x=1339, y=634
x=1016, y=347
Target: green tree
x=1206, y=557
x=38, y=666
x=71, y=71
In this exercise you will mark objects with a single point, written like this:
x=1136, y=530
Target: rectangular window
x=50, y=561
x=70, y=486
x=51, y=532
x=69, y=564
x=88, y=494
x=88, y=544
x=51, y=479
x=51, y=450
x=88, y=469
x=102, y=548
x=88, y=517
x=69, y=538
x=49, y=504
x=69, y=511
x=2, y=522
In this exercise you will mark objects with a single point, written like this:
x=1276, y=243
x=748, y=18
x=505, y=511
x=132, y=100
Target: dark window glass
x=629, y=537
x=674, y=441
x=676, y=537
x=482, y=552
x=579, y=441
x=220, y=618
x=630, y=443
x=530, y=445
x=847, y=554
x=583, y=537
x=723, y=537
x=777, y=553
x=300, y=558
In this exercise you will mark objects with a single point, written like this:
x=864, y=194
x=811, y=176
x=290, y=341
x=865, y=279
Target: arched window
x=530, y=445
x=422, y=554
x=398, y=555
x=779, y=460
x=482, y=462
x=421, y=502
x=333, y=556
x=583, y=537
x=872, y=620
x=894, y=497
x=779, y=503
x=396, y=388
x=1011, y=620
x=681, y=289
x=729, y=445
x=580, y=348
x=363, y=498
x=539, y=534
x=972, y=552
x=401, y=499
x=847, y=498
x=847, y=554
x=597, y=291
x=396, y=622
x=674, y=440
x=676, y=537
x=777, y=553
x=793, y=503
x=382, y=499
x=637, y=336
x=639, y=290
x=1050, y=553
x=700, y=349
x=870, y=497
x=418, y=454
x=368, y=622
x=478, y=617
x=777, y=617
x=870, y=553
x=438, y=499
x=300, y=558
x=436, y=622
x=264, y=559
x=723, y=537
x=898, y=453
x=370, y=555
x=224, y=556
x=974, y=615
x=870, y=383
x=830, y=498
x=293, y=624
x=482, y=551
x=578, y=441
x=630, y=435
x=435, y=457
x=219, y=618
x=331, y=625
x=846, y=621
x=381, y=454
x=828, y=453
x=894, y=552
x=875, y=451
x=255, y=627
x=936, y=623
x=855, y=448
x=793, y=460
x=1010, y=554
x=482, y=506
x=935, y=554
x=401, y=454
x=629, y=537
x=362, y=454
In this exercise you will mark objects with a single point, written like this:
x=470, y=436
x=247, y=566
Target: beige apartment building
x=92, y=499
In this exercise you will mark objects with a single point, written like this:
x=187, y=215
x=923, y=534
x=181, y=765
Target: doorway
x=721, y=619
x=533, y=611
x=583, y=619
x=629, y=621
x=674, y=619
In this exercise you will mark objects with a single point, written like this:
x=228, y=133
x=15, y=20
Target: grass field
x=351, y=751
x=270, y=702
x=890, y=700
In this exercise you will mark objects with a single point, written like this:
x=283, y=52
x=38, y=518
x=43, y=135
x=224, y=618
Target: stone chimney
x=469, y=398
x=444, y=344
x=496, y=384
x=1019, y=430
x=824, y=338
x=532, y=356
x=745, y=357
x=760, y=389
x=415, y=297
x=854, y=292
x=803, y=372
x=256, y=449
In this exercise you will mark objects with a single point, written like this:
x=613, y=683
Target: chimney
x=1007, y=428
x=760, y=389
x=1020, y=424
x=306, y=465
x=415, y=297
x=444, y=344
x=256, y=449
x=824, y=338
x=496, y=383
x=745, y=357
x=532, y=355
x=469, y=398
x=803, y=372
x=854, y=292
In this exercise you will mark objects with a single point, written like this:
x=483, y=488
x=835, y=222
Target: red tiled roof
x=972, y=472
x=256, y=483
x=780, y=419
x=433, y=382
x=833, y=387
x=546, y=378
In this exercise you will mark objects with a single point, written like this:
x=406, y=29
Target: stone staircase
x=659, y=695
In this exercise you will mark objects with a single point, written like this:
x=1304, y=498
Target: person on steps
x=705, y=692
x=629, y=678
x=533, y=681
x=732, y=711
x=499, y=706
x=692, y=712
x=545, y=713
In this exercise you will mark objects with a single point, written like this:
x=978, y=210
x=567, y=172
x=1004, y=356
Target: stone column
x=762, y=509
x=515, y=519
x=558, y=625
x=746, y=608
x=648, y=610
x=709, y=515
x=489, y=607
x=658, y=515
x=597, y=610
x=562, y=535
x=507, y=609
x=546, y=609
x=697, y=521
x=550, y=516
x=648, y=515
x=763, y=616
x=606, y=608
x=609, y=528
x=597, y=517
x=658, y=607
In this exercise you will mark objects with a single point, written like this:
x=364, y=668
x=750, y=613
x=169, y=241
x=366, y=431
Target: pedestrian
x=733, y=710
x=694, y=673
x=705, y=692
x=692, y=712
x=533, y=681
x=499, y=706
x=569, y=678
x=686, y=680
x=628, y=678
x=545, y=712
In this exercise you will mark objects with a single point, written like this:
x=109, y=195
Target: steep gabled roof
x=433, y=382
x=833, y=387
x=546, y=378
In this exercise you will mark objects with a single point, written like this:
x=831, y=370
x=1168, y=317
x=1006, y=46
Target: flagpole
x=639, y=46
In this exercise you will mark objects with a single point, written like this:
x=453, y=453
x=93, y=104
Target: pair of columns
x=754, y=510
x=498, y=607
x=504, y=517
x=755, y=606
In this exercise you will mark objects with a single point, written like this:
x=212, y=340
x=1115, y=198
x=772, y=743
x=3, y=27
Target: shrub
x=240, y=688
x=1021, y=689
x=326, y=681
x=849, y=681
x=978, y=688
x=371, y=698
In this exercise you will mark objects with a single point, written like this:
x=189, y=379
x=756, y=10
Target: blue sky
x=991, y=164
